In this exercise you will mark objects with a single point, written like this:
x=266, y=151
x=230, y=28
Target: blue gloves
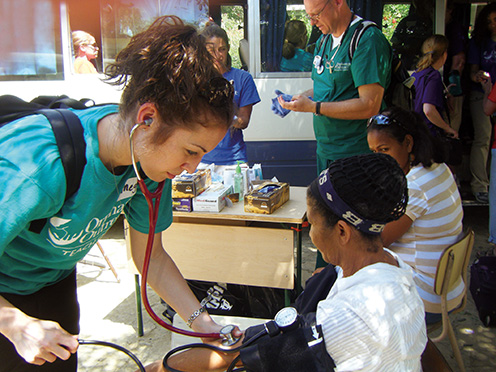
x=276, y=106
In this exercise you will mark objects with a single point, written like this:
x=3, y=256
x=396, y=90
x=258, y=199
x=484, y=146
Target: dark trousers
x=58, y=303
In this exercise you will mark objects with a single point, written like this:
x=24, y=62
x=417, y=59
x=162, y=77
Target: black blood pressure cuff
x=299, y=350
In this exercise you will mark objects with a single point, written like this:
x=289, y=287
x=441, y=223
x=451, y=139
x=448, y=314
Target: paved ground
x=109, y=310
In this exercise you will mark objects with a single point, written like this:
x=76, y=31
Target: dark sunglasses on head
x=385, y=120
x=218, y=92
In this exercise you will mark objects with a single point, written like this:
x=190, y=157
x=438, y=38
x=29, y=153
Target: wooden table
x=233, y=246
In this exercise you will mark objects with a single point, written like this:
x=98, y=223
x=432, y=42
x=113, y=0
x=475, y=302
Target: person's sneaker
x=482, y=197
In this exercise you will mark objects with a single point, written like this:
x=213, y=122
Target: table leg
x=297, y=238
x=137, y=290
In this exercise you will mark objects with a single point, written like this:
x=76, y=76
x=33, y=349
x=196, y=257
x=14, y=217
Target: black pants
x=58, y=303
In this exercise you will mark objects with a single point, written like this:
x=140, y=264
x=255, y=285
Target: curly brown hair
x=169, y=65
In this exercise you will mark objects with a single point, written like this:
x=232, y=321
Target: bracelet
x=317, y=108
x=195, y=315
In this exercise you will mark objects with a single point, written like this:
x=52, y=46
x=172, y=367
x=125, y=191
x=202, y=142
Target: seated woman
x=372, y=319
x=294, y=56
x=433, y=219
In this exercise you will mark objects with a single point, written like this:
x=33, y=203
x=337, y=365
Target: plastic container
x=239, y=182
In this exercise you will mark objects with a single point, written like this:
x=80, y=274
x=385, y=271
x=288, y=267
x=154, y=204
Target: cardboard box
x=212, y=199
x=182, y=204
x=188, y=185
x=267, y=197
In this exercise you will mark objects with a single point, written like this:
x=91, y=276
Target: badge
x=317, y=63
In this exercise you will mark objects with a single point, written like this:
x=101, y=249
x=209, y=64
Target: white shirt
x=374, y=320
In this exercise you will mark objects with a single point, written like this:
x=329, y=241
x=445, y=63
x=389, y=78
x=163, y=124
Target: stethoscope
x=226, y=331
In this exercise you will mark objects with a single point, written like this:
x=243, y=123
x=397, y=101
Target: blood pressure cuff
x=299, y=350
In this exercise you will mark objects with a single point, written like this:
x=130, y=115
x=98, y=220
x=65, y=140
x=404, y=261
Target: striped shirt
x=435, y=208
x=373, y=320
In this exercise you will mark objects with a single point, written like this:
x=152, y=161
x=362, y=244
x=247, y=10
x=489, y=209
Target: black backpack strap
x=63, y=101
x=13, y=108
x=69, y=135
x=357, y=34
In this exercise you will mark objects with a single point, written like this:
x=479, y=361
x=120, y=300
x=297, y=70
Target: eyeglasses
x=92, y=46
x=218, y=92
x=316, y=17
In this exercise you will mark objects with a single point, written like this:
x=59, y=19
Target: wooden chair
x=452, y=265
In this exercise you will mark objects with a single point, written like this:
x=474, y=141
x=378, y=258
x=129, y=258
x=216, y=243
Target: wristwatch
x=317, y=108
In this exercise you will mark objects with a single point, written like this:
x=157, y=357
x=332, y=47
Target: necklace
x=329, y=64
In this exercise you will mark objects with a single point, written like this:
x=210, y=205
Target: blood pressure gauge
x=287, y=319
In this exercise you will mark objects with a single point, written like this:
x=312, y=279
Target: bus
x=37, y=57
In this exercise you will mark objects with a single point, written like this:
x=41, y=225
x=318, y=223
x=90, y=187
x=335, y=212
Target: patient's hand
x=199, y=359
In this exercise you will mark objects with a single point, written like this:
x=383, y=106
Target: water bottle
x=238, y=182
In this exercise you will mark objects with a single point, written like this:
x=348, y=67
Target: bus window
x=233, y=21
x=30, y=44
x=275, y=17
x=123, y=19
x=412, y=30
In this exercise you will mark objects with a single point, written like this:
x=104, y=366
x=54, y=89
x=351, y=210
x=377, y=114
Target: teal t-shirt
x=302, y=61
x=33, y=187
x=339, y=81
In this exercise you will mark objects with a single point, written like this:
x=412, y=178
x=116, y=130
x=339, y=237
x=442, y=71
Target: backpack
x=483, y=288
x=66, y=128
x=400, y=91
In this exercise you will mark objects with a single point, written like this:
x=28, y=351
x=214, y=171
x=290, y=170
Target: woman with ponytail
x=429, y=89
x=294, y=56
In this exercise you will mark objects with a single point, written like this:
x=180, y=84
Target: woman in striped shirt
x=433, y=219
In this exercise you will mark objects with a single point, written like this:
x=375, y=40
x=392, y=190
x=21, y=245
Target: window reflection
x=122, y=19
x=275, y=16
x=30, y=44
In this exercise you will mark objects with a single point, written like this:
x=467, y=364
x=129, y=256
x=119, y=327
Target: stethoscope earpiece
x=148, y=121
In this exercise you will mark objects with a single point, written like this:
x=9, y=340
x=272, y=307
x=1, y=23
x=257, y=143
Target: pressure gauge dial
x=287, y=318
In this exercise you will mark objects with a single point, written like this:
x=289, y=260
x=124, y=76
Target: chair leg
x=108, y=262
x=454, y=346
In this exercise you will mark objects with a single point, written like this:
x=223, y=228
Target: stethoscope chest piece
x=227, y=335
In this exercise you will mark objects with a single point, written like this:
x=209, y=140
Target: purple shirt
x=485, y=57
x=429, y=89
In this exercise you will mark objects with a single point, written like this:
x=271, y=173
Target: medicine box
x=187, y=185
x=267, y=197
x=182, y=204
x=212, y=199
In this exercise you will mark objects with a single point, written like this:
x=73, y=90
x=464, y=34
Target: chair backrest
x=453, y=263
x=244, y=53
